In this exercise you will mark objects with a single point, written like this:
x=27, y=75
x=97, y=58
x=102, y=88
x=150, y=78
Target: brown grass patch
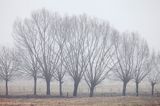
x=95, y=101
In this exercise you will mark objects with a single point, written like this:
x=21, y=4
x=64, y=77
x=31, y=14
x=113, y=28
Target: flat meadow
x=85, y=101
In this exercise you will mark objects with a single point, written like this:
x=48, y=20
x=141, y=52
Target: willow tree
x=29, y=67
x=141, y=60
x=100, y=51
x=75, y=61
x=153, y=67
x=60, y=38
x=125, y=47
x=36, y=35
x=8, y=65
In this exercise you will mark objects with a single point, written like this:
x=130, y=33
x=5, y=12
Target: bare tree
x=154, y=75
x=25, y=36
x=75, y=62
x=59, y=75
x=61, y=40
x=100, y=52
x=141, y=60
x=29, y=67
x=8, y=65
x=125, y=52
x=37, y=36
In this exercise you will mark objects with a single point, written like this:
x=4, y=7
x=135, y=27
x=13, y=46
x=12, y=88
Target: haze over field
x=139, y=16
x=108, y=87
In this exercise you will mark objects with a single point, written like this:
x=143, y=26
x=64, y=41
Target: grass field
x=95, y=101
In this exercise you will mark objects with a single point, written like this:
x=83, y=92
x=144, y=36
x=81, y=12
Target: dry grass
x=96, y=101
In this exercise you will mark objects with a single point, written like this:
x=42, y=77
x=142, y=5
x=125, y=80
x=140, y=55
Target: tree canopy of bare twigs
x=141, y=62
x=37, y=36
x=76, y=59
x=100, y=52
x=125, y=47
x=29, y=67
x=60, y=38
x=153, y=67
x=8, y=65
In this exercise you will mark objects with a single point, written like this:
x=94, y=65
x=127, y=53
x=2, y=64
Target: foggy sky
x=142, y=16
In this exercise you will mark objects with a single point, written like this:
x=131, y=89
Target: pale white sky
x=142, y=16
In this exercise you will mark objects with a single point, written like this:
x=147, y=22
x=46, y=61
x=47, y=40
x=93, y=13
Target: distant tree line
x=51, y=46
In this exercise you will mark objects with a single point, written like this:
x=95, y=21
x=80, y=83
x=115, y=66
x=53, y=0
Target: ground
x=95, y=101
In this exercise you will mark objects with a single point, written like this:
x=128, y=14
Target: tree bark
x=35, y=85
x=91, y=91
x=60, y=88
x=124, y=88
x=75, y=88
x=153, y=89
x=137, y=89
x=6, y=88
x=48, y=87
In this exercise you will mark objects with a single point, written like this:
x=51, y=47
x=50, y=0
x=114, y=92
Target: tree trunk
x=137, y=90
x=48, y=87
x=124, y=88
x=91, y=91
x=60, y=88
x=75, y=88
x=35, y=85
x=153, y=89
x=6, y=88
